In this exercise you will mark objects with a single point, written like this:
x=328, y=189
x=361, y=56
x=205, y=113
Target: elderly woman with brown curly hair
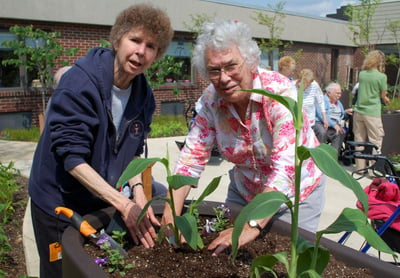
x=372, y=90
x=97, y=122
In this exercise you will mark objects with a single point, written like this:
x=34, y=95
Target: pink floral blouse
x=262, y=148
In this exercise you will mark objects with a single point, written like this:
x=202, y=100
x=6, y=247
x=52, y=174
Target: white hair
x=221, y=36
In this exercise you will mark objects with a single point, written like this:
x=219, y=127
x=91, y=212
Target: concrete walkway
x=337, y=196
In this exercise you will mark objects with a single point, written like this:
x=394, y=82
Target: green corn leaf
x=209, y=189
x=137, y=166
x=177, y=181
x=354, y=220
x=262, y=206
x=187, y=225
x=325, y=158
x=306, y=251
x=265, y=263
x=288, y=102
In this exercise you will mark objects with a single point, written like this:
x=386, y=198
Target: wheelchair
x=378, y=166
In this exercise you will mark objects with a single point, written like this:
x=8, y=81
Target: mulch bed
x=13, y=261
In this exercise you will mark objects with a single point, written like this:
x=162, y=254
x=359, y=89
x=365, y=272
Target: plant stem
x=172, y=204
x=295, y=216
x=315, y=253
x=297, y=122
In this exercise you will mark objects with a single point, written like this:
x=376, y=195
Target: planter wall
x=391, y=124
x=77, y=263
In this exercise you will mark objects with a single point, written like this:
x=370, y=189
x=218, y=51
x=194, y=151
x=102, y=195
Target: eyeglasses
x=231, y=70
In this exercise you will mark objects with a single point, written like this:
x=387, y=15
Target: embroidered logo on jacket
x=136, y=129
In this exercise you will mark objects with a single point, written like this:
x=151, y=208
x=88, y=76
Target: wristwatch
x=254, y=224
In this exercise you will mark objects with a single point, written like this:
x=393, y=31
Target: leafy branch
x=37, y=50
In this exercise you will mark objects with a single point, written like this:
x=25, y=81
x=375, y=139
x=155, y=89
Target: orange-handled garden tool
x=87, y=230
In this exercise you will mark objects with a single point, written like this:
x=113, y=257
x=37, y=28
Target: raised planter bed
x=77, y=263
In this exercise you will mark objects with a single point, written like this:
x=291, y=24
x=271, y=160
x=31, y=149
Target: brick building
x=325, y=44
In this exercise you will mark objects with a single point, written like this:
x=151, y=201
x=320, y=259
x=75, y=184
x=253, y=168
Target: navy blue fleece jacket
x=79, y=129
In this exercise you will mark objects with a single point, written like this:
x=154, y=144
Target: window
x=270, y=60
x=181, y=51
x=9, y=75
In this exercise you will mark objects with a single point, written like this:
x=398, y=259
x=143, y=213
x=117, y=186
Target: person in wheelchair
x=335, y=113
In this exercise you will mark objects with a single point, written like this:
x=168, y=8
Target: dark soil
x=165, y=261
x=12, y=262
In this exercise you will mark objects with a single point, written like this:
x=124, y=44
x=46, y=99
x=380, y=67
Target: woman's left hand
x=224, y=239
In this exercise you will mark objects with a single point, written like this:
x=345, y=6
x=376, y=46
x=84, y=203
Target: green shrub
x=393, y=105
x=8, y=186
x=162, y=126
x=167, y=126
x=24, y=134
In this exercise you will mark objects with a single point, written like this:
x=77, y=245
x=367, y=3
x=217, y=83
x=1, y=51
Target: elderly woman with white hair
x=252, y=131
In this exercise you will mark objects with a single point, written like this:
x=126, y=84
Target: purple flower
x=225, y=209
x=103, y=240
x=101, y=261
x=209, y=226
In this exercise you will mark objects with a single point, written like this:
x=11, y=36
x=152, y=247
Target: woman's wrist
x=125, y=209
x=133, y=188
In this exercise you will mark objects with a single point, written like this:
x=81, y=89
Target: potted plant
x=395, y=159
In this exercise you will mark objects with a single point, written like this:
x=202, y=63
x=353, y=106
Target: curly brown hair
x=374, y=60
x=284, y=62
x=153, y=20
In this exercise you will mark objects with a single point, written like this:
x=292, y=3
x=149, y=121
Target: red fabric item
x=383, y=200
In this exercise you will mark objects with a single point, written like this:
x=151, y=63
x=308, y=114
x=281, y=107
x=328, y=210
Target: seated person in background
x=312, y=98
x=335, y=113
x=287, y=66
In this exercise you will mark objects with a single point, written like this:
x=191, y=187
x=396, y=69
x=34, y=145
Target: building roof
x=297, y=27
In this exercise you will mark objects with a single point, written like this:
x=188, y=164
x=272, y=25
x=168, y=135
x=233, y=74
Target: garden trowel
x=88, y=231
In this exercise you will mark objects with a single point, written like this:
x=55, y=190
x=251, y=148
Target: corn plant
x=186, y=224
x=305, y=258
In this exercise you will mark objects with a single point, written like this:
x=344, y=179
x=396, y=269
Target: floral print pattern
x=262, y=147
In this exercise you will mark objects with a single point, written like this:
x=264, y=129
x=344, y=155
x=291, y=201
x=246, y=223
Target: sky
x=310, y=7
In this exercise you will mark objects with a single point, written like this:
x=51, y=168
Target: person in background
x=59, y=73
x=57, y=76
x=287, y=66
x=372, y=89
x=97, y=122
x=335, y=113
x=313, y=97
x=253, y=132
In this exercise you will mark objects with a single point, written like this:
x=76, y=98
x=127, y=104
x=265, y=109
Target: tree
x=273, y=24
x=157, y=73
x=197, y=21
x=38, y=51
x=360, y=22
